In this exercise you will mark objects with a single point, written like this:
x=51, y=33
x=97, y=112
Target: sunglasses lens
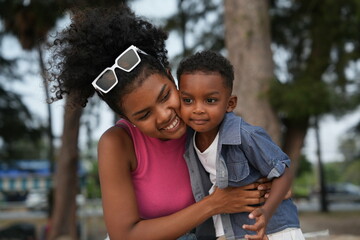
x=128, y=60
x=106, y=81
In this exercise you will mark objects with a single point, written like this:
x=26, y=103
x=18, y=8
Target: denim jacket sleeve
x=262, y=152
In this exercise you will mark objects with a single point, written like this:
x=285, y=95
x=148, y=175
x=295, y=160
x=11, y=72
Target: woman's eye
x=145, y=116
x=166, y=96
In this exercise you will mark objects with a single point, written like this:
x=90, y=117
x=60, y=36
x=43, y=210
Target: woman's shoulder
x=115, y=135
x=114, y=144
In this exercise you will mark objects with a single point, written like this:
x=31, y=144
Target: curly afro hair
x=208, y=62
x=92, y=42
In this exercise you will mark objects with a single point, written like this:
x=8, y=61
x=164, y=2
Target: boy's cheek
x=183, y=112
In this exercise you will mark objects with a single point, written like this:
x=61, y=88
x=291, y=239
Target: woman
x=145, y=184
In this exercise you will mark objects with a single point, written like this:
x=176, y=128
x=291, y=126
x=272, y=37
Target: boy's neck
x=203, y=140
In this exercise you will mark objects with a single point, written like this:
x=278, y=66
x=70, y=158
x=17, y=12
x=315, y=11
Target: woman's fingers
x=287, y=196
x=249, y=187
x=265, y=186
x=254, y=201
x=248, y=209
x=263, y=180
x=238, y=199
x=248, y=191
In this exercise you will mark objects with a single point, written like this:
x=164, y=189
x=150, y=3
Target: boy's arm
x=266, y=185
x=279, y=189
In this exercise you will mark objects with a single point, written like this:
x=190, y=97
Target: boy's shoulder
x=231, y=120
x=233, y=123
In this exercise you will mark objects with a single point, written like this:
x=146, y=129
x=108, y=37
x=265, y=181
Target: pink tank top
x=161, y=179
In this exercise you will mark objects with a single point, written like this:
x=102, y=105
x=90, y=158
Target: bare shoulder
x=117, y=160
x=116, y=145
x=114, y=136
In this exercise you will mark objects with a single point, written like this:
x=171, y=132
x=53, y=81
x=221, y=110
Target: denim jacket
x=245, y=154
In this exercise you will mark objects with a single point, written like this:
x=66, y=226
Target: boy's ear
x=232, y=103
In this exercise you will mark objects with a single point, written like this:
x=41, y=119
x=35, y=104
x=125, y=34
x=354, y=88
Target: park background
x=308, y=54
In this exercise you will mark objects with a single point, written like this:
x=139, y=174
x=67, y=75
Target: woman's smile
x=154, y=108
x=174, y=124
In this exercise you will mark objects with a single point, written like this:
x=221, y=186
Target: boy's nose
x=198, y=109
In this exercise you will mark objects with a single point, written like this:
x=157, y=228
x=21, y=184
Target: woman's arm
x=117, y=160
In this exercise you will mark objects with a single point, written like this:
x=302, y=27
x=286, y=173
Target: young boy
x=233, y=152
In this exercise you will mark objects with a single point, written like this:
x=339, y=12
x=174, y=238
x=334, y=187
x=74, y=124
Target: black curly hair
x=208, y=62
x=92, y=42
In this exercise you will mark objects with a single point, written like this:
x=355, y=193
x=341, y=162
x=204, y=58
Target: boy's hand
x=260, y=226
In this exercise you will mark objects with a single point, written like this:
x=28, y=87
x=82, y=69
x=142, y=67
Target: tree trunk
x=63, y=222
x=294, y=137
x=323, y=192
x=247, y=38
x=44, y=75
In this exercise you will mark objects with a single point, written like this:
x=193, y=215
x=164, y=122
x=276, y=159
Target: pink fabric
x=161, y=180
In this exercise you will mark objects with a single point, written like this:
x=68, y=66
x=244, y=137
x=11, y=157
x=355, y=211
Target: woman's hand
x=266, y=184
x=237, y=199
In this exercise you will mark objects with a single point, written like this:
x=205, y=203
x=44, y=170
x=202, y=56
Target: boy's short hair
x=208, y=62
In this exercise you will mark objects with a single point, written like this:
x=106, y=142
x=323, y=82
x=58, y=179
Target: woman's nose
x=163, y=115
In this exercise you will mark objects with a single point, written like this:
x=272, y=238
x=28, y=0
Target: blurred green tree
x=318, y=45
x=21, y=134
x=199, y=25
x=351, y=173
x=305, y=178
x=30, y=22
x=316, y=54
x=350, y=149
x=315, y=50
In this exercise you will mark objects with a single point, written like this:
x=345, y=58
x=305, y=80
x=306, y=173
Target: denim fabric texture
x=245, y=154
x=188, y=236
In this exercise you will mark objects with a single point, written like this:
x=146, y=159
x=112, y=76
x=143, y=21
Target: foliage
x=351, y=173
x=334, y=172
x=20, y=133
x=303, y=185
x=304, y=179
x=93, y=182
x=29, y=22
x=203, y=20
x=319, y=46
x=315, y=43
x=305, y=166
x=350, y=145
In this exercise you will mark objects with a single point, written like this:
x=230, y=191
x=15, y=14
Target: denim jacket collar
x=230, y=123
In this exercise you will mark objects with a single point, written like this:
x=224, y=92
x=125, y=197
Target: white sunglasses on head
x=127, y=61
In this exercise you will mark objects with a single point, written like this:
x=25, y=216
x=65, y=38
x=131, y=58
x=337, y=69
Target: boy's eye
x=187, y=100
x=211, y=100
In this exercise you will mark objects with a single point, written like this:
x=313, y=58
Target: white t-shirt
x=208, y=160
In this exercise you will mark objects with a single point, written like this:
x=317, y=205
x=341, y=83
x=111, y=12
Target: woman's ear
x=231, y=103
x=168, y=71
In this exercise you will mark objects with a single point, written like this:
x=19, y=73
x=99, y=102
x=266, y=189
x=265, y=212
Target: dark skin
x=205, y=101
x=117, y=160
